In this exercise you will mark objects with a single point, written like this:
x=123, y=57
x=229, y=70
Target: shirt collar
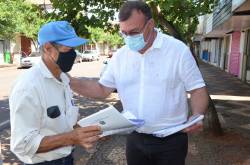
x=158, y=40
x=46, y=73
x=44, y=69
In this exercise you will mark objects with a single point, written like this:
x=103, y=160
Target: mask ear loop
x=52, y=59
x=151, y=32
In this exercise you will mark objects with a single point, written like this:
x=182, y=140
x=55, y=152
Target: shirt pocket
x=55, y=121
x=160, y=77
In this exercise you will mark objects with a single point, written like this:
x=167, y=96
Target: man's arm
x=90, y=88
x=85, y=137
x=26, y=116
x=199, y=100
x=199, y=105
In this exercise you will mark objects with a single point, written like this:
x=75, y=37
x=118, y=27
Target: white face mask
x=136, y=42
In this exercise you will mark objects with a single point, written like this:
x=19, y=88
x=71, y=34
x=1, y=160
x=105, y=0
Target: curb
x=5, y=65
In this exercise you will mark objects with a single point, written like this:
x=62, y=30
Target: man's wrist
x=70, y=138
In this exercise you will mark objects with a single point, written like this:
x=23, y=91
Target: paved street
x=7, y=76
x=232, y=98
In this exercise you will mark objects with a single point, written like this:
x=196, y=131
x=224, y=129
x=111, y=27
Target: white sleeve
x=189, y=71
x=25, y=116
x=108, y=77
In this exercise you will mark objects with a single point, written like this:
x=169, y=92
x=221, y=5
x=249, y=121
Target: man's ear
x=152, y=22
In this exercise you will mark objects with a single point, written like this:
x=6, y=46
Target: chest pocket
x=161, y=76
x=54, y=117
x=55, y=120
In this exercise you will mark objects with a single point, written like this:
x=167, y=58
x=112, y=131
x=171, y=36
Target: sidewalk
x=232, y=100
x=4, y=65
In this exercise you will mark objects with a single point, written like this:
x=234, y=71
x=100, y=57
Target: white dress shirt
x=33, y=93
x=154, y=86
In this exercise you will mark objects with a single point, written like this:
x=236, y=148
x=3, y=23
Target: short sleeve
x=189, y=71
x=108, y=77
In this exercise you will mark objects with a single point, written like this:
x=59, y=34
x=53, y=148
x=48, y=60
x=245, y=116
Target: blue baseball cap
x=60, y=32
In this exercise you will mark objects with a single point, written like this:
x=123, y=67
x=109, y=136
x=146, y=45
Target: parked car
x=90, y=55
x=78, y=57
x=30, y=60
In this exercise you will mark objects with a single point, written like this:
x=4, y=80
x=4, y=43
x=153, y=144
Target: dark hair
x=127, y=8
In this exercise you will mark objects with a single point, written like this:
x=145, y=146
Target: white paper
x=172, y=130
x=112, y=121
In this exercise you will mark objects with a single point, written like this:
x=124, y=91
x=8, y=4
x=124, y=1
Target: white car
x=78, y=57
x=90, y=55
x=30, y=60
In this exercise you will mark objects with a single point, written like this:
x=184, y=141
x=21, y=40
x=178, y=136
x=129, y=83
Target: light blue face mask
x=136, y=42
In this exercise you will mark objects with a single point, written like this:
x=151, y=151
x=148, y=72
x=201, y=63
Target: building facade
x=225, y=41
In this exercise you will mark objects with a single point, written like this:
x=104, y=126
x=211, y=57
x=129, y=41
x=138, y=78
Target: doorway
x=246, y=58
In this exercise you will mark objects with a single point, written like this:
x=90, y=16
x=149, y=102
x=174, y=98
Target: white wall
x=200, y=26
x=222, y=57
x=209, y=23
x=15, y=45
x=242, y=43
x=237, y=3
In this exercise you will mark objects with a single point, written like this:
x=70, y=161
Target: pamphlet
x=112, y=121
x=169, y=131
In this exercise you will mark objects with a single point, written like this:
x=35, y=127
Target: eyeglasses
x=132, y=32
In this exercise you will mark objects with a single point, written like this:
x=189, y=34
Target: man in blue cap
x=42, y=111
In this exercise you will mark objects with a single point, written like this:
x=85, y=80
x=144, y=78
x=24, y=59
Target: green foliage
x=84, y=13
x=182, y=14
x=17, y=16
x=98, y=35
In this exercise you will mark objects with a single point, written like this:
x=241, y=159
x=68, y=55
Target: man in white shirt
x=42, y=112
x=152, y=73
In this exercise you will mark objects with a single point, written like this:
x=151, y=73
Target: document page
x=172, y=130
x=112, y=121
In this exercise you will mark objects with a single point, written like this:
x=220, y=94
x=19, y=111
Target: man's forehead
x=136, y=18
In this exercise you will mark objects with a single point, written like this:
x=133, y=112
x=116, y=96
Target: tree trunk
x=213, y=120
x=212, y=116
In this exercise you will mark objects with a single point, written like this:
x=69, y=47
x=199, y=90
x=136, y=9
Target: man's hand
x=198, y=127
x=86, y=136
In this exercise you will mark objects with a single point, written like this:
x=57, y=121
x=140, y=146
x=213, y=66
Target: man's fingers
x=90, y=128
x=195, y=128
x=91, y=139
x=90, y=134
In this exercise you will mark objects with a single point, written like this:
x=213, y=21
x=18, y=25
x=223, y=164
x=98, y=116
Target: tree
x=20, y=17
x=98, y=35
x=87, y=13
x=175, y=17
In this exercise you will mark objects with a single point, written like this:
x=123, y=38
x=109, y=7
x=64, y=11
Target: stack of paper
x=172, y=130
x=112, y=121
